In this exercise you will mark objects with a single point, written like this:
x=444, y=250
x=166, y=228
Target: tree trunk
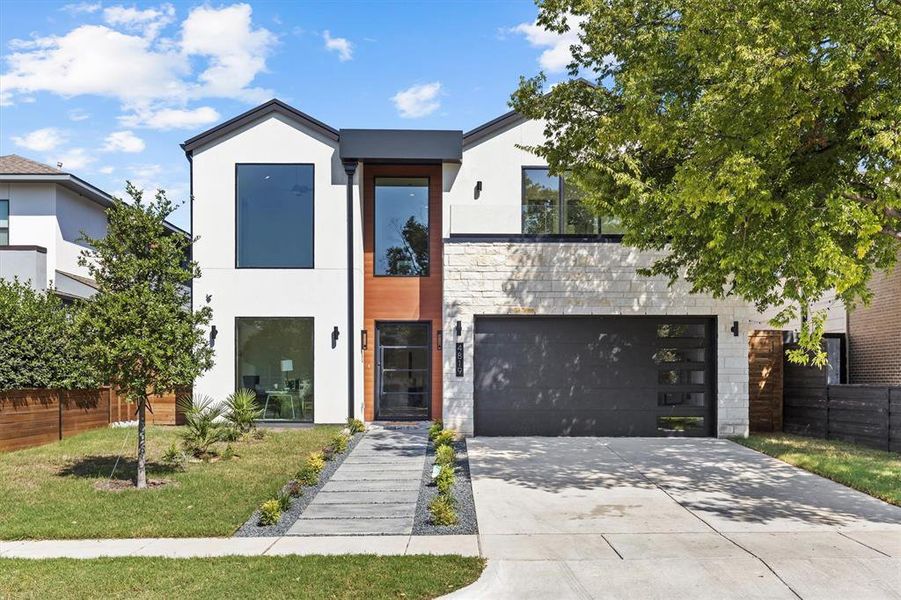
x=141, y=479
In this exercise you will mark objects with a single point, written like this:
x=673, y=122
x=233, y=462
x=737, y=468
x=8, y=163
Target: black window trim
x=313, y=235
x=428, y=206
x=560, y=234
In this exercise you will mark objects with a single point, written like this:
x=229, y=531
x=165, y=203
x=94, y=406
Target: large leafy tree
x=757, y=143
x=141, y=332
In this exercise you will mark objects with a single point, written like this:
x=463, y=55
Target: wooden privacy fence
x=765, y=380
x=869, y=415
x=32, y=417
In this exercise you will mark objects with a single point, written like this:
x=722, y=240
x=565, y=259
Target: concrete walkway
x=374, y=491
x=654, y=518
x=387, y=545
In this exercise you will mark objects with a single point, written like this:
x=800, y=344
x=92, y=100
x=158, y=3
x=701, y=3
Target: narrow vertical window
x=274, y=216
x=402, y=226
x=4, y=222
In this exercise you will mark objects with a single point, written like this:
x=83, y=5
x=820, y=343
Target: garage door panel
x=593, y=376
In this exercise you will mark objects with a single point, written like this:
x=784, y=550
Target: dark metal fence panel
x=859, y=414
x=804, y=400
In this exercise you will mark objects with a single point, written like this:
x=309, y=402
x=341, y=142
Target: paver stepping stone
x=359, y=526
x=357, y=497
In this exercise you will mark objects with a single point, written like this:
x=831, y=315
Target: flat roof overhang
x=400, y=146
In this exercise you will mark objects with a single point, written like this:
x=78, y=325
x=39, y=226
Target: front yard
x=330, y=577
x=874, y=472
x=49, y=492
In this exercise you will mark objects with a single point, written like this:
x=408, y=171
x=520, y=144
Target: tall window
x=4, y=222
x=402, y=226
x=551, y=207
x=275, y=216
x=275, y=360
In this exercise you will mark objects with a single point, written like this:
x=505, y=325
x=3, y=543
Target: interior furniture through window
x=401, y=216
x=551, y=207
x=275, y=360
x=274, y=216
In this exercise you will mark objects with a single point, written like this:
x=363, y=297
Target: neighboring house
x=43, y=213
x=874, y=333
x=473, y=287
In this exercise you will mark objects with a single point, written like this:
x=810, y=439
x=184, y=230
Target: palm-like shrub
x=203, y=426
x=242, y=411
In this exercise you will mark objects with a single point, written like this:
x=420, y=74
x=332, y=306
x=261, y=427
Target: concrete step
x=394, y=526
x=353, y=511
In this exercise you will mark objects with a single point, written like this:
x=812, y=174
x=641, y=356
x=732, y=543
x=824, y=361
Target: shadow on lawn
x=100, y=466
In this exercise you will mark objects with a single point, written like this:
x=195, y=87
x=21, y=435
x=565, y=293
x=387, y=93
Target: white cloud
x=340, y=45
x=107, y=170
x=171, y=118
x=418, y=100
x=81, y=7
x=557, y=55
x=217, y=54
x=40, y=140
x=123, y=141
x=73, y=159
x=148, y=22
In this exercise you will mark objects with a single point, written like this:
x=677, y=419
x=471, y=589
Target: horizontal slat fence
x=32, y=417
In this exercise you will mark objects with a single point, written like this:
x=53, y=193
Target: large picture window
x=402, y=226
x=4, y=222
x=275, y=216
x=551, y=207
x=275, y=360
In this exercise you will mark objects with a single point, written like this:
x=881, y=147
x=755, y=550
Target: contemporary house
x=412, y=275
x=43, y=213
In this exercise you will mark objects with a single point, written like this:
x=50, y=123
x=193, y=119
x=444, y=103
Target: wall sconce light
x=440, y=338
x=734, y=328
x=213, y=333
x=364, y=339
x=335, y=335
x=478, y=190
x=458, y=329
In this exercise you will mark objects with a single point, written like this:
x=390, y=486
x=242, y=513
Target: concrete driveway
x=672, y=518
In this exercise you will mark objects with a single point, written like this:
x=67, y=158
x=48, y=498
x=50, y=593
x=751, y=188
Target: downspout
x=350, y=167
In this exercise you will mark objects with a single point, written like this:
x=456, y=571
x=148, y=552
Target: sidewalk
x=385, y=545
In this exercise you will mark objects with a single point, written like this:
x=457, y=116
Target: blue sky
x=111, y=89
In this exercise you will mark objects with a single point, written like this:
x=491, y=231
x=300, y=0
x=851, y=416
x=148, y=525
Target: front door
x=403, y=370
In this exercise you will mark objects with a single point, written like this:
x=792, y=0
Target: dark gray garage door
x=608, y=376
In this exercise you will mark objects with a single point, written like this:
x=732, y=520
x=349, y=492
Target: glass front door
x=404, y=369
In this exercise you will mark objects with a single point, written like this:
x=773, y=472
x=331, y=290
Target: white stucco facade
x=318, y=292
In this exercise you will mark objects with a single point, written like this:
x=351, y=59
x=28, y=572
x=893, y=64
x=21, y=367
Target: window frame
x=237, y=359
x=8, y=203
x=428, y=205
x=312, y=216
x=560, y=232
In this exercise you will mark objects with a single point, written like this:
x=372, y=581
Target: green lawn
x=48, y=492
x=330, y=577
x=874, y=472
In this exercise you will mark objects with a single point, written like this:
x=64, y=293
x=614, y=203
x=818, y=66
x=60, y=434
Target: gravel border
x=462, y=493
x=290, y=516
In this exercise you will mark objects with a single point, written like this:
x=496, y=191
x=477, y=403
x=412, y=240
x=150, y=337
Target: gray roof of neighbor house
x=15, y=168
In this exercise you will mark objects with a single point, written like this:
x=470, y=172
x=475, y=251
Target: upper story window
x=274, y=216
x=402, y=226
x=4, y=222
x=551, y=207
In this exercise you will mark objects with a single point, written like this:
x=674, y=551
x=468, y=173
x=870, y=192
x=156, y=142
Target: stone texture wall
x=874, y=333
x=502, y=278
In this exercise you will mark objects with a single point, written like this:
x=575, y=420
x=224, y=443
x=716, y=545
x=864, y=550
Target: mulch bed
x=119, y=485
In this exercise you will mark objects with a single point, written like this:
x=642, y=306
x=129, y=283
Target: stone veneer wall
x=506, y=278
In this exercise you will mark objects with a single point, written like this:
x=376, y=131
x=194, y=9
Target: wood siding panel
x=402, y=298
x=765, y=380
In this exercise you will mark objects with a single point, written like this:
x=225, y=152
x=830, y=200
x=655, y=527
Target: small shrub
x=355, y=426
x=174, y=458
x=339, y=443
x=284, y=500
x=435, y=428
x=307, y=476
x=316, y=461
x=295, y=490
x=444, y=438
x=270, y=512
x=445, y=479
x=328, y=453
x=242, y=411
x=260, y=434
x=202, y=425
x=445, y=455
x=443, y=511
x=228, y=453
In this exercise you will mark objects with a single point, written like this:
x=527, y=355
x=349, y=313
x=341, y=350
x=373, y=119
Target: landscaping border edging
x=467, y=523
x=298, y=505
